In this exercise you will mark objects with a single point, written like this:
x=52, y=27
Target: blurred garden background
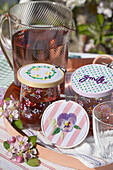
x=93, y=20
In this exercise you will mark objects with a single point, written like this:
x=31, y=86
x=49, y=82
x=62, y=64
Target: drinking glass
x=39, y=33
x=103, y=128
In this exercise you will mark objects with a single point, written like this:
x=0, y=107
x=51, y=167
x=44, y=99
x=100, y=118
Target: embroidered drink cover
x=93, y=80
x=40, y=75
x=65, y=123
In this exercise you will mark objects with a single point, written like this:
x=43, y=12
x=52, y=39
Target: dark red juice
x=33, y=102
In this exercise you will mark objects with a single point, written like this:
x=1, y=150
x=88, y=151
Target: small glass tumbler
x=103, y=128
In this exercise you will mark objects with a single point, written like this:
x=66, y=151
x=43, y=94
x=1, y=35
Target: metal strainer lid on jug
x=93, y=81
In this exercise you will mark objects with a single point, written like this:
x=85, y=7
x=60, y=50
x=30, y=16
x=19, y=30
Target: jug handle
x=103, y=55
x=6, y=48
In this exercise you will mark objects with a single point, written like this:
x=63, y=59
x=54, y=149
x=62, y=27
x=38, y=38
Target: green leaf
x=33, y=162
x=89, y=1
x=109, y=35
x=101, y=52
x=102, y=39
x=56, y=130
x=77, y=127
x=82, y=27
x=7, y=99
x=18, y=124
x=100, y=19
x=107, y=26
x=92, y=29
x=98, y=27
x=96, y=42
x=6, y=145
x=32, y=139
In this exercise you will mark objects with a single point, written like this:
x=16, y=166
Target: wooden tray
x=47, y=154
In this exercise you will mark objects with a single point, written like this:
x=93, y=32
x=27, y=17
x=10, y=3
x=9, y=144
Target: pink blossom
x=21, y=142
x=15, y=115
x=27, y=156
x=19, y=159
x=28, y=145
x=30, y=154
x=11, y=140
x=89, y=45
x=9, y=104
x=33, y=151
x=11, y=115
x=16, y=150
x=9, y=152
x=9, y=110
x=1, y=112
x=12, y=98
x=6, y=113
x=1, y=102
x=20, y=149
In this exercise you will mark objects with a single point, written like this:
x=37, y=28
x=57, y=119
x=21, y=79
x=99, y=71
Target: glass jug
x=39, y=32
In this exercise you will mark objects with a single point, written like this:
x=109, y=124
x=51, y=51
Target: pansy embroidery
x=64, y=123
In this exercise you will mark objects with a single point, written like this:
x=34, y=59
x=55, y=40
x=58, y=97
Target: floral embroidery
x=64, y=123
x=35, y=69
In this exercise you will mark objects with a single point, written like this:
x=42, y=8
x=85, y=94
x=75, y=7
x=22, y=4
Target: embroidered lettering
x=98, y=80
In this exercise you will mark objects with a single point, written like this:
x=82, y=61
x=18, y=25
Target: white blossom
x=72, y=3
x=108, y=12
x=105, y=8
x=100, y=8
x=89, y=45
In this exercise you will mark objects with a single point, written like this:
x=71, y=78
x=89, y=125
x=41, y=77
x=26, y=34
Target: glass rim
x=99, y=119
x=42, y=2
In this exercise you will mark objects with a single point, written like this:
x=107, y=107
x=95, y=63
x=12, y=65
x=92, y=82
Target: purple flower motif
x=66, y=121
